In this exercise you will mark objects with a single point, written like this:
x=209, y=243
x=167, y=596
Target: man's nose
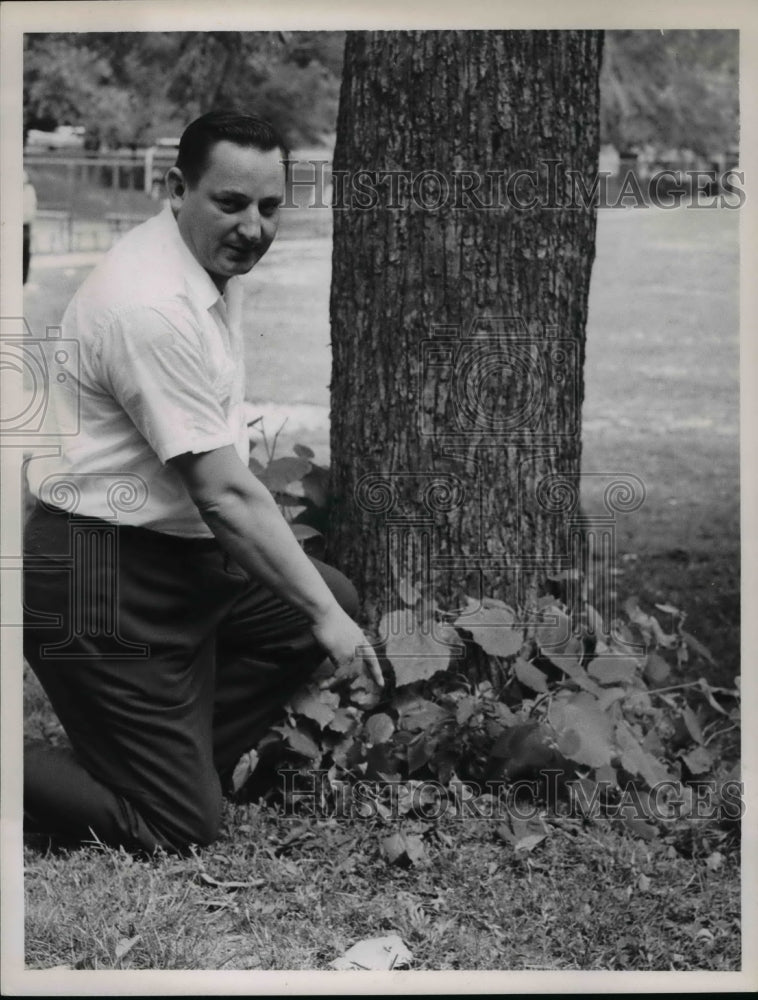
x=249, y=225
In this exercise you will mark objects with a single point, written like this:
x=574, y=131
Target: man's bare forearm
x=252, y=530
x=243, y=516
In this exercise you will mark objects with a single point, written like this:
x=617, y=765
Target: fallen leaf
x=230, y=886
x=643, y=883
x=125, y=945
x=378, y=954
x=527, y=844
x=403, y=849
x=715, y=861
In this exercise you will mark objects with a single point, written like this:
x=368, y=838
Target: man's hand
x=346, y=646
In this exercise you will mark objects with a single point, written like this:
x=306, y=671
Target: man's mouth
x=244, y=251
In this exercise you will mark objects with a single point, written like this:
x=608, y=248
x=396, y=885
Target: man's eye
x=227, y=206
x=269, y=208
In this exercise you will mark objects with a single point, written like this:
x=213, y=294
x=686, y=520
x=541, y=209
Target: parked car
x=63, y=137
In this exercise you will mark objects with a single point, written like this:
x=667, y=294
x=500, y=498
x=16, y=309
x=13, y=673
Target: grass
x=310, y=888
x=661, y=402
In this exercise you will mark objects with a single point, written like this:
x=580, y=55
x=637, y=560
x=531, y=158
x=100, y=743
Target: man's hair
x=227, y=125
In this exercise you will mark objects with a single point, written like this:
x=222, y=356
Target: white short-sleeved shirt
x=158, y=371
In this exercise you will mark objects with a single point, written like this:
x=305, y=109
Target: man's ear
x=176, y=187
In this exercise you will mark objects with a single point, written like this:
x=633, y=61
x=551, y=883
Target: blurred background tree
x=668, y=89
x=129, y=89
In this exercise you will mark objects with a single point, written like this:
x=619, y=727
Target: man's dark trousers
x=164, y=663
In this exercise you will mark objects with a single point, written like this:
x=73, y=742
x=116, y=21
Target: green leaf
x=614, y=669
x=315, y=704
x=594, y=620
x=656, y=669
x=649, y=625
x=708, y=692
x=529, y=675
x=693, y=726
x=501, y=712
x=378, y=728
x=465, y=709
x=572, y=666
x=365, y=693
x=636, y=760
x=554, y=637
x=303, y=531
x=303, y=451
x=302, y=743
x=255, y=466
x=699, y=760
x=606, y=775
x=287, y=499
x=697, y=647
x=580, y=716
x=408, y=592
x=282, y=471
x=414, y=652
x=415, y=712
x=668, y=609
x=420, y=752
x=493, y=627
x=609, y=696
x=342, y=721
x=243, y=769
x=316, y=486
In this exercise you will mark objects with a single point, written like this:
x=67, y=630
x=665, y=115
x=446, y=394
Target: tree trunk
x=458, y=308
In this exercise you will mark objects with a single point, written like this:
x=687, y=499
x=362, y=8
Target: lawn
x=661, y=402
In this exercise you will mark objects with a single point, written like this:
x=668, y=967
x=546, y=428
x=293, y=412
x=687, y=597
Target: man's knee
x=195, y=820
x=343, y=590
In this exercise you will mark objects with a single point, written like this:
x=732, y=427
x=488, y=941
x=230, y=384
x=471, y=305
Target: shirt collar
x=199, y=283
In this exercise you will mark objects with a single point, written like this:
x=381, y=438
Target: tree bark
x=458, y=308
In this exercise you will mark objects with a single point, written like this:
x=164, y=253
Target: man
x=170, y=610
x=29, y=211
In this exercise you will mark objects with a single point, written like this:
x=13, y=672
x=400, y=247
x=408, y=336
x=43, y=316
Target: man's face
x=230, y=217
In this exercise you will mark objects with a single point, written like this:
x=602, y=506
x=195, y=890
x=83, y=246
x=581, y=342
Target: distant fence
x=87, y=200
